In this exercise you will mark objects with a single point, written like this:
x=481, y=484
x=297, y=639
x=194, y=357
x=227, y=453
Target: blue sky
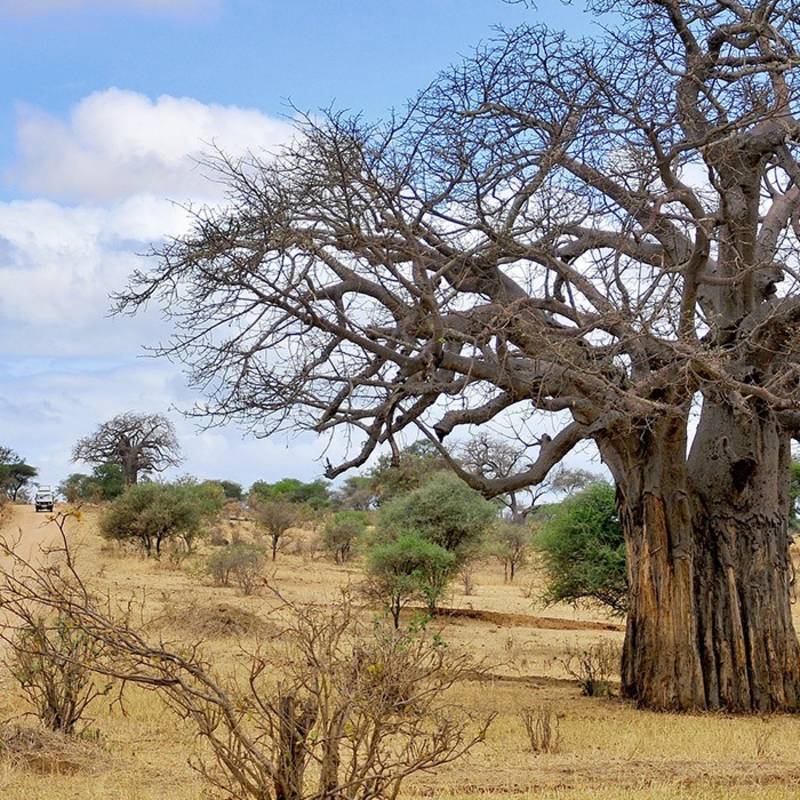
x=105, y=103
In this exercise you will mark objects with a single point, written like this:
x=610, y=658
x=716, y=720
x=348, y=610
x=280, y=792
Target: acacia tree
x=602, y=230
x=136, y=442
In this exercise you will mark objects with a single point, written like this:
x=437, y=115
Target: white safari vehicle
x=43, y=499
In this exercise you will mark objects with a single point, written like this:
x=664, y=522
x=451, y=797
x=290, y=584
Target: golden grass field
x=609, y=750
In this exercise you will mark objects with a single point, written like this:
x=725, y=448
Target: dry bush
x=762, y=740
x=217, y=537
x=467, y=575
x=49, y=656
x=43, y=751
x=330, y=707
x=542, y=728
x=51, y=662
x=593, y=666
x=241, y=563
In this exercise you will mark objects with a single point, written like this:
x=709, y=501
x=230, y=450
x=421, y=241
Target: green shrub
x=583, y=550
x=150, y=514
x=445, y=511
x=407, y=568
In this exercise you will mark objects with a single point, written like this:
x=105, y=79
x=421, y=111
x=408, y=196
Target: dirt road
x=33, y=530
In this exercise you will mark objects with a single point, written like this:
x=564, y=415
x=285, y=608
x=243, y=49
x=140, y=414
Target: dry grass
x=608, y=750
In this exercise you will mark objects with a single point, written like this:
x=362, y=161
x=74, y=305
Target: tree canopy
x=583, y=550
x=315, y=494
x=137, y=443
x=15, y=474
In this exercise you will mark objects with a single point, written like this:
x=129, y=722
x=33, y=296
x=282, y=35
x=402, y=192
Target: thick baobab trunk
x=709, y=624
x=739, y=467
x=661, y=665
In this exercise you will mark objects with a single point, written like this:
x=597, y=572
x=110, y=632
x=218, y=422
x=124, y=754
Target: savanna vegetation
x=596, y=238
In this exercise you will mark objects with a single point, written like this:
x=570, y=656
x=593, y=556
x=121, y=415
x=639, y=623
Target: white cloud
x=64, y=364
x=157, y=6
x=58, y=266
x=117, y=143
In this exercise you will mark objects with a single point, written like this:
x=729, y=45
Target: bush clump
x=51, y=661
x=342, y=532
x=240, y=563
x=151, y=514
x=583, y=550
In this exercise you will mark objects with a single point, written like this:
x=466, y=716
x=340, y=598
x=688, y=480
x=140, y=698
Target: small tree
x=342, y=531
x=568, y=481
x=137, y=443
x=408, y=568
x=151, y=513
x=208, y=500
x=356, y=493
x=15, y=478
x=510, y=545
x=445, y=511
x=583, y=550
x=276, y=518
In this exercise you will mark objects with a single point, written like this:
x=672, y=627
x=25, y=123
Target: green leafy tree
x=445, y=511
x=150, y=514
x=315, y=494
x=342, y=532
x=407, y=568
x=583, y=550
x=233, y=490
x=15, y=478
x=105, y=483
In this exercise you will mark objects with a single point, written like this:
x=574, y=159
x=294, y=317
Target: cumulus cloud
x=157, y=6
x=64, y=364
x=59, y=264
x=117, y=143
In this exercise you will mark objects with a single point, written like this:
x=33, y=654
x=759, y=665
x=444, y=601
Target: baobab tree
x=604, y=231
x=138, y=443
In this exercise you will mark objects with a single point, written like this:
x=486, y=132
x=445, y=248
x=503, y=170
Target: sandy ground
x=609, y=750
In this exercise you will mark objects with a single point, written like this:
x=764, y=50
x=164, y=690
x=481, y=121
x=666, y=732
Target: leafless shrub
x=217, y=538
x=542, y=728
x=51, y=663
x=467, y=575
x=240, y=563
x=330, y=707
x=528, y=590
x=593, y=666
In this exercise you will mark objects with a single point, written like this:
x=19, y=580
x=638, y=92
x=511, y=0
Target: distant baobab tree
x=138, y=443
x=605, y=231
